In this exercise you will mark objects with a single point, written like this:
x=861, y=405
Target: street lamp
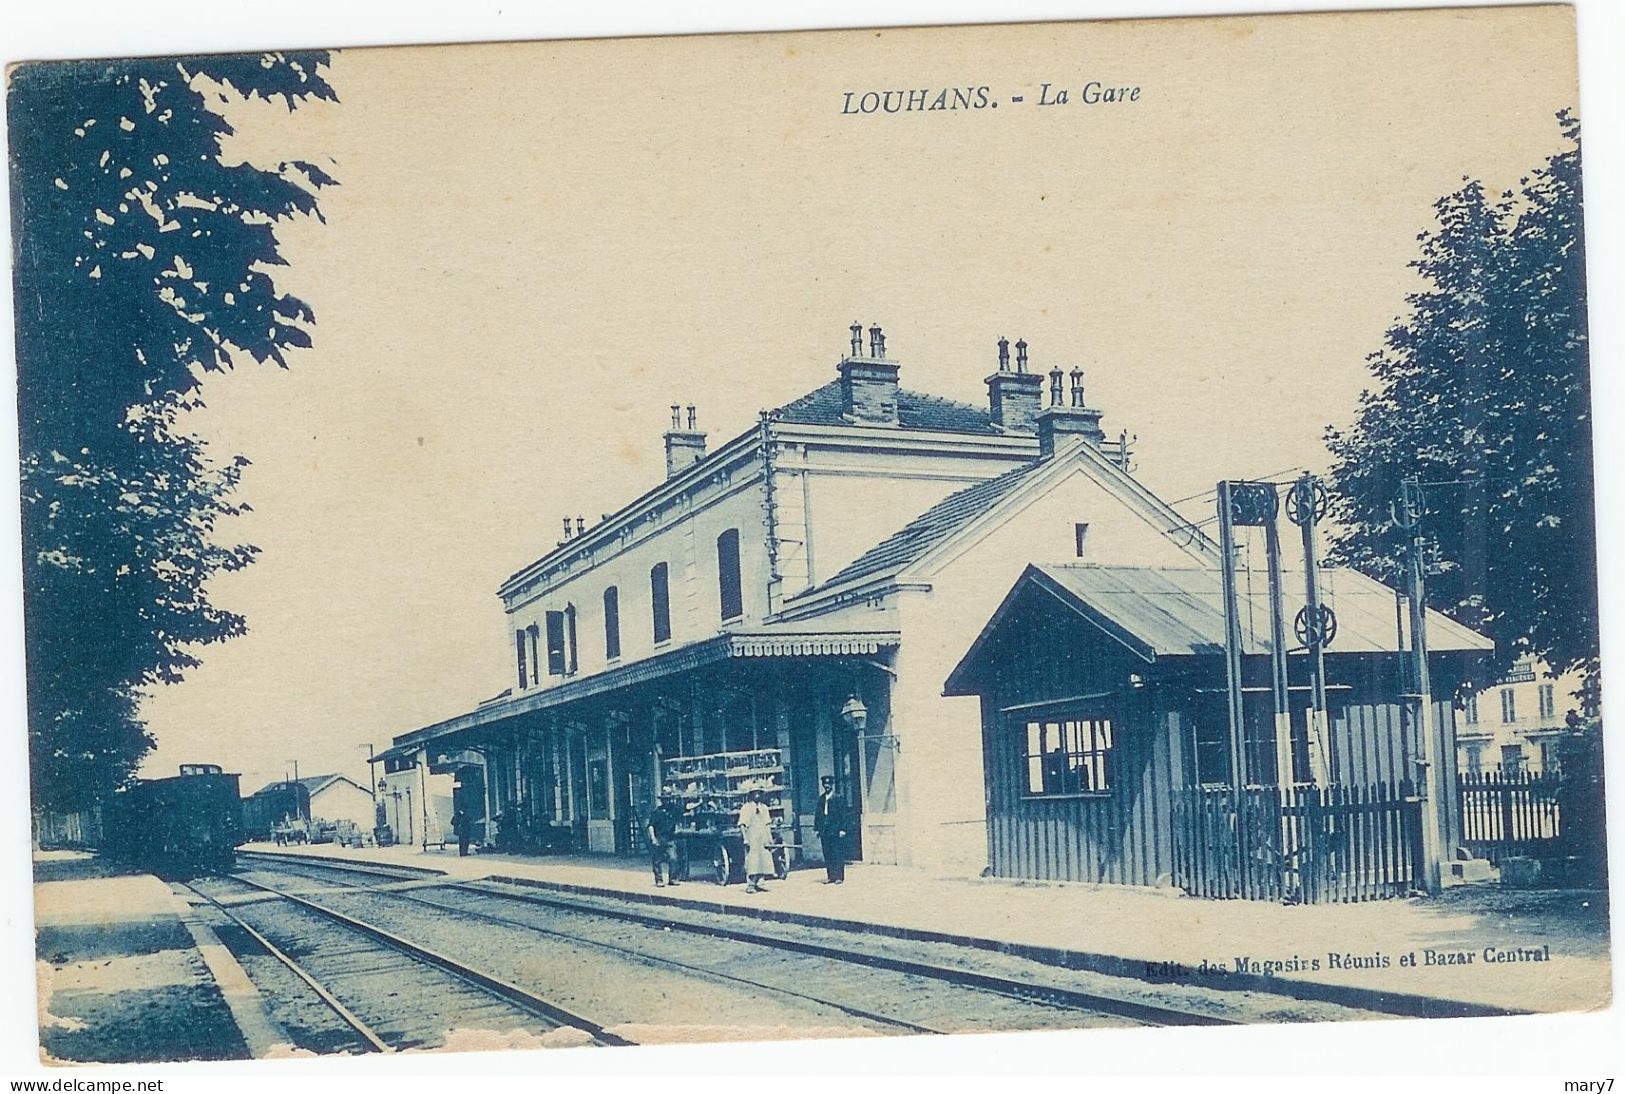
x=855, y=714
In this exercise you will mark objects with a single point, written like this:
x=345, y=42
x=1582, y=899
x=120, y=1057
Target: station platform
x=1475, y=949
x=126, y=973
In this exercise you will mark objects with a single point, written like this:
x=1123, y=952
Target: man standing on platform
x=833, y=823
x=662, y=832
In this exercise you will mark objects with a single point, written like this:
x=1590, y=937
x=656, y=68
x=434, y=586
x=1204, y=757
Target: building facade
x=773, y=592
x=807, y=586
x=1518, y=725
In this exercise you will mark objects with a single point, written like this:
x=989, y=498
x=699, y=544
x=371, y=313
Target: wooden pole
x=1431, y=769
x=1232, y=644
x=1322, y=753
x=1278, y=673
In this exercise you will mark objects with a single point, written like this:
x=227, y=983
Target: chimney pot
x=1014, y=398
x=581, y=525
x=869, y=389
x=857, y=338
x=684, y=446
x=566, y=527
x=1060, y=422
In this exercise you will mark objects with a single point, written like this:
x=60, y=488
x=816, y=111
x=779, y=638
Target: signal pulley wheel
x=1317, y=632
x=1306, y=502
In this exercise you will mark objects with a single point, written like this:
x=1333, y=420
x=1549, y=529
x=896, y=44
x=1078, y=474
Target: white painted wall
x=343, y=800
x=686, y=540
x=941, y=792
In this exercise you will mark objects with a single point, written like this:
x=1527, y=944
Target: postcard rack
x=712, y=788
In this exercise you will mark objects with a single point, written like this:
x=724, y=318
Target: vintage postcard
x=1030, y=527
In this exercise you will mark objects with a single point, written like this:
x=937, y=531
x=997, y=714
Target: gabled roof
x=920, y=536
x=936, y=524
x=1158, y=612
x=313, y=784
x=915, y=410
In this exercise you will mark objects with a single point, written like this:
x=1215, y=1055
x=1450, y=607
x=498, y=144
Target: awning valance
x=763, y=642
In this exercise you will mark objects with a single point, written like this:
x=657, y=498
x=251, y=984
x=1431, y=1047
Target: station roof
x=815, y=638
x=936, y=524
x=915, y=410
x=1158, y=613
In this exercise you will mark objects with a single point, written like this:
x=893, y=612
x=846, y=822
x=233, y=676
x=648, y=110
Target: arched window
x=660, y=602
x=733, y=603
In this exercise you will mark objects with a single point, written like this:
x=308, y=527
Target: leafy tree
x=143, y=261
x=1482, y=392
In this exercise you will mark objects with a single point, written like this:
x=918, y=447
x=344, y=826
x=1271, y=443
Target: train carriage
x=178, y=827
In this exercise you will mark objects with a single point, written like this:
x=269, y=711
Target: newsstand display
x=712, y=789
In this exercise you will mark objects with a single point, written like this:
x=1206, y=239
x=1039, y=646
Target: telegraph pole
x=1232, y=642
x=1278, y=675
x=1305, y=506
x=1432, y=776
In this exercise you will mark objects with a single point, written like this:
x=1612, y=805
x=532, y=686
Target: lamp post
x=372, y=773
x=856, y=716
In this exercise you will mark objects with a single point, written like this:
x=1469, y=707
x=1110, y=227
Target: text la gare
x=1090, y=94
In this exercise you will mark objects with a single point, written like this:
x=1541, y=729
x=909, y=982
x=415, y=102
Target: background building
x=1517, y=726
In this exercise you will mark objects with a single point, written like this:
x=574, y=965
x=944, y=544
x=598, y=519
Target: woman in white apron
x=756, y=826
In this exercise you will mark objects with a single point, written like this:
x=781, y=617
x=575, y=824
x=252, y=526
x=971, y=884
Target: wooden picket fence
x=1507, y=814
x=1308, y=845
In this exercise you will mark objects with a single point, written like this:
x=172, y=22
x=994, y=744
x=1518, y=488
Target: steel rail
x=1055, y=996
x=626, y=951
x=365, y=1032
x=491, y=985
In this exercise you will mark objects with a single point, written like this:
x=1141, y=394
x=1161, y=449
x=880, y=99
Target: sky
x=536, y=248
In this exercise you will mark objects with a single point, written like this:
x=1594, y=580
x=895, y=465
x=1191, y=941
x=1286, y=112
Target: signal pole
x=1432, y=774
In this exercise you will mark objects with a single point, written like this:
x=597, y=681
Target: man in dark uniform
x=662, y=833
x=462, y=829
x=833, y=823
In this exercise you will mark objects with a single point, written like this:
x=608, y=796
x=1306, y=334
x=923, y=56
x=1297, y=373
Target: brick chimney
x=685, y=444
x=1065, y=418
x=869, y=383
x=1014, y=396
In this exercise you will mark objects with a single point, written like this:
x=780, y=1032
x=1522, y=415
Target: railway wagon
x=178, y=827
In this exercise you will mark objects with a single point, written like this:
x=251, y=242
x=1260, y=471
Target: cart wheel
x=781, y=862
x=724, y=865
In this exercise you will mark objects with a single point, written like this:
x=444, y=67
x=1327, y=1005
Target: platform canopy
x=800, y=640
x=1159, y=613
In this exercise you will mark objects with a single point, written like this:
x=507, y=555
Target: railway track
x=362, y=974
x=844, y=974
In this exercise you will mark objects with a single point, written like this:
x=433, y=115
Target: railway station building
x=808, y=586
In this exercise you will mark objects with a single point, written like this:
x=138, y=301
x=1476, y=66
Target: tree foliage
x=1482, y=392
x=143, y=261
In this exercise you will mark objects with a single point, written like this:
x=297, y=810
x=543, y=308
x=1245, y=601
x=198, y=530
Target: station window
x=612, y=623
x=519, y=648
x=660, y=602
x=556, y=663
x=1080, y=533
x=1068, y=755
x=733, y=602
x=535, y=634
